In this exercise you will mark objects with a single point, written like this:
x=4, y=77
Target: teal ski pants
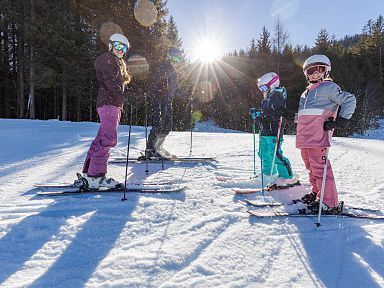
x=282, y=165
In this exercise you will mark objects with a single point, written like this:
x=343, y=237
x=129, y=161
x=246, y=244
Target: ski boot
x=81, y=181
x=269, y=182
x=283, y=182
x=95, y=183
x=161, y=150
x=109, y=182
x=325, y=209
x=165, y=154
x=151, y=154
x=309, y=198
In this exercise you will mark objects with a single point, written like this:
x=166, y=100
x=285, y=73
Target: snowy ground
x=375, y=133
x=201, y=237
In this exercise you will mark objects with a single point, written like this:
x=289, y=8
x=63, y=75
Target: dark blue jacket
x=163, y=82
x=272, y=109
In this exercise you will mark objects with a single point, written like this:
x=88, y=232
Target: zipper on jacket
x=306, y=98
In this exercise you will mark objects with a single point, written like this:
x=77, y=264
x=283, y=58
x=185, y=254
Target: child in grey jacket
x=323, y=107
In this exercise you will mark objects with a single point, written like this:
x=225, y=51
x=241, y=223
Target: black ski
x=256, y=203
x=68, y=185
x=347, y=213
x=169, y=189
x=178, y=159
x=258, y=189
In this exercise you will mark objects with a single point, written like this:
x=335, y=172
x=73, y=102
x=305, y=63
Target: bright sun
x=207, y=50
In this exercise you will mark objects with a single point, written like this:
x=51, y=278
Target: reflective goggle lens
x=176, y=59
x=263, y=88
x=120, y=47
x=311, y=70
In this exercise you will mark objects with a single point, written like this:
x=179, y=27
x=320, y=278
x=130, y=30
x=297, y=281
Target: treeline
x=357, y=67
x=47, y=51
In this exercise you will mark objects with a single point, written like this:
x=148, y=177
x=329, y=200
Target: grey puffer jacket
x=319, y=102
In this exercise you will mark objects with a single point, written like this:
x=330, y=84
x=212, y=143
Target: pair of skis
x=353, y=212
x=259, y=189
x=70, y=189
x=165, y=187
x=171, y=160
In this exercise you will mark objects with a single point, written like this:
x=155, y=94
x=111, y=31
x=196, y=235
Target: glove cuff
x=342, y=122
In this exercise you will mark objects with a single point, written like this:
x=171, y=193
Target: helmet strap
x=316, y=81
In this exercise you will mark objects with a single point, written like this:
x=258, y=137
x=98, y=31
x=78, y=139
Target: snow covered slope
x=201, y=237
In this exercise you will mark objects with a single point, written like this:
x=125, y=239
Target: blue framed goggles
x=263, y=88
x=120, y=47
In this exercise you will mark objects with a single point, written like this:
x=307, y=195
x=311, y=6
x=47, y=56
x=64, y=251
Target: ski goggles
x=176, y=59
x=263, y=88
x=313, y=69
x=120, y=47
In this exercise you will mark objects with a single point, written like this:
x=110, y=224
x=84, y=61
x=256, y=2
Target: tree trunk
x=20, y=72
x=31, y=100
x=90, y=108
x=3, y=64
x=78, y=108
x=55, y=115
x=64, y=106
x=6, y=71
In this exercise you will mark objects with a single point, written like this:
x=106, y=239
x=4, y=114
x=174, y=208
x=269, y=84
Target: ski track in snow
x=201, y=237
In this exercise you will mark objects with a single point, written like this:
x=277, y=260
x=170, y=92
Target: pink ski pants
x=314, y=162
x=96, y=162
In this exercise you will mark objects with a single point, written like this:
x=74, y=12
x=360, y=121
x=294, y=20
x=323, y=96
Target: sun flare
x=207, y=50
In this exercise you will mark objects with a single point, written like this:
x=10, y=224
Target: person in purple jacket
x=113, y=77
x=323, y=107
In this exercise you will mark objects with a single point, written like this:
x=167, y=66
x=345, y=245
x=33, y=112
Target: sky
x=234, y=23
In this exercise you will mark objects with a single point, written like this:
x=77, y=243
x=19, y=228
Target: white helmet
x=268, y=81
x=118, y=38
x=320, y=60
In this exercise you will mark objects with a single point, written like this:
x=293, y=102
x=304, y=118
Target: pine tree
x=173, y=34
x=280, y=40
x=264, y=44
x=323, y=43
x=252, y=52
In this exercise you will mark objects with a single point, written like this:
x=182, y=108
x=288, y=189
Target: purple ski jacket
x=108, y=73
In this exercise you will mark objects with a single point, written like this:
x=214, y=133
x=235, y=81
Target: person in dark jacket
x=113, y=78
x=162, y=88
x=276, y=168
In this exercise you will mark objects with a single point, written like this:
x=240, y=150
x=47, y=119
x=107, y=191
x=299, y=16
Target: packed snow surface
x=201, y=237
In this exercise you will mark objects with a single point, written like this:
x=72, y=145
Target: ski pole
x=254, y=145
x=190, y=145
x=325, y=158
x=129, y=142
x=261, y=161
x=146, y=132
x=276, y=146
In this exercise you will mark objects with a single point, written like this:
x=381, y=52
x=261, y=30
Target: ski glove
x=254, y=113
x=340, y=122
